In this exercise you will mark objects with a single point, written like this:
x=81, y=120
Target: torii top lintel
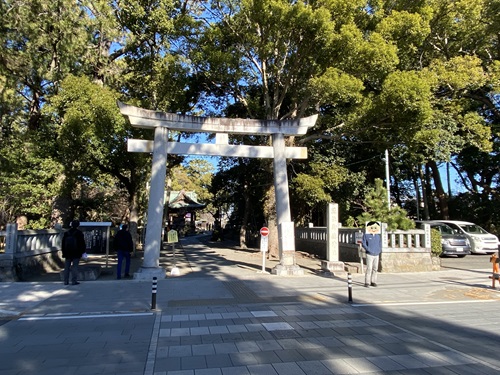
x=144, y=118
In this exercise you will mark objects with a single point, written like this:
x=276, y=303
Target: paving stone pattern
x=291, y=339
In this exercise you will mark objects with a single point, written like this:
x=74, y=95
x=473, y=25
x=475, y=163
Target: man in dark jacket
x=73, y=247
x=124, y=246
x=372, y=243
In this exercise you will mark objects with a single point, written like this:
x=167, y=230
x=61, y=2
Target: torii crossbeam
x=161, y=122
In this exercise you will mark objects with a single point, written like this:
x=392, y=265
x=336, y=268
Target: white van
x=480, y=240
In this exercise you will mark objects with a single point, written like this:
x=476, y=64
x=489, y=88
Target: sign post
x=359, y=240
x=264, y=244
x=173, y=238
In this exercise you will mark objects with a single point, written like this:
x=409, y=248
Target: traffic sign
x=359, y=237
x=264, y=231
x=264, y=244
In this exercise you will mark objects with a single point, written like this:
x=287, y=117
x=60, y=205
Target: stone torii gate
x=161, y=122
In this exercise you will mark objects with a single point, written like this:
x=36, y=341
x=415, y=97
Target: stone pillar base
x=147, y=273
x=336, y=268
x=291, y=270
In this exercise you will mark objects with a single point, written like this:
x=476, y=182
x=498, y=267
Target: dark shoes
x=127, y=276
x=373, y=284
x=66, y=283
x=367, y=285
x=75, y=283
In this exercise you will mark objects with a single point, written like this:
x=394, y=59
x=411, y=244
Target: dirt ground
x=228, y=249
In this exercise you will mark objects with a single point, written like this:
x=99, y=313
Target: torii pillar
x=161, y=122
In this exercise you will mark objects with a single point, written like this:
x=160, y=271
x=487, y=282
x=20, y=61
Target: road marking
x=80, y=316
x=8, y=312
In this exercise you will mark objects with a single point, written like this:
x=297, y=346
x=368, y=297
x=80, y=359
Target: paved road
x=468, y=329
x=221, y=316
x=469, y=262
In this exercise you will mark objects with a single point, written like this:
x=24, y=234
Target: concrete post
x=332, y=222
x=281, y=179
x=385, y=236
x=150, y=266
x=427, y=236
x=332, y=263
x=286, y=229
x=11, y=239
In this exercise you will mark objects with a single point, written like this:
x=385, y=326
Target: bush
x=436, y=247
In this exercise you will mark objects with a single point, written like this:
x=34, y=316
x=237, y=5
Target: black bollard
x=153, y=295
x=349, y=286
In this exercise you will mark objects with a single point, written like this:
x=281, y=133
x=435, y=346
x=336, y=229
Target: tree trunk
x=246, y=215
x=424, y=193
x=61, y=210
x=440, y=193
x=417, y=195
x=448, y=178
x=133, y=220
x=396, y=191
x=272, y=222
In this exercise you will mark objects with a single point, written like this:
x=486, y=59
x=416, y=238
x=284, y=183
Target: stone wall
x=28, y=264
x=410, y=260
x=7, y=269
x=348, y=253
x=311, y=247
x=395, y=260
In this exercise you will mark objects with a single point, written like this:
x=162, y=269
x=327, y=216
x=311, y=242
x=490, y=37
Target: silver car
x=480, y=240
x=453, y=241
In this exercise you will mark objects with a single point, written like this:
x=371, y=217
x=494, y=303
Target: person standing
x=124, y=246
x=372, y=243
x=73, y=247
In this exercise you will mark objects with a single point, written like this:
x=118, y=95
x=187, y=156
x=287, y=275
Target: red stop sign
x=264, y=231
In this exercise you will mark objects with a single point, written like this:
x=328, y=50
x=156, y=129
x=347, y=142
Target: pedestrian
x=73, y=247
x=124, y=246
x=372, y=243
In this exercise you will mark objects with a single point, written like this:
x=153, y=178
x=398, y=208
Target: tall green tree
x=376, y=207
x=40, y=42
x=92, y=136
x=261, y=55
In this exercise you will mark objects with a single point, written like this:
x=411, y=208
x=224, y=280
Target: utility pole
x=387, y=182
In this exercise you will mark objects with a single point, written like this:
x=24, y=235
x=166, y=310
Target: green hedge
x=436, y=247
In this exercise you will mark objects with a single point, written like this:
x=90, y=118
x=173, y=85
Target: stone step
x=353, y=268
x=86, y=273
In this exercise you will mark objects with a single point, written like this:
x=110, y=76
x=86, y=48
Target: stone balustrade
x=27, y=252
x=30, y=252
x=402, y=251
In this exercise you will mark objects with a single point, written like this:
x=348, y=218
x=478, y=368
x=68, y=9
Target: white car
x=480, y=240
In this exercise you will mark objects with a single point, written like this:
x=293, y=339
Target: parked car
x=453, y=241
x=480, y=240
